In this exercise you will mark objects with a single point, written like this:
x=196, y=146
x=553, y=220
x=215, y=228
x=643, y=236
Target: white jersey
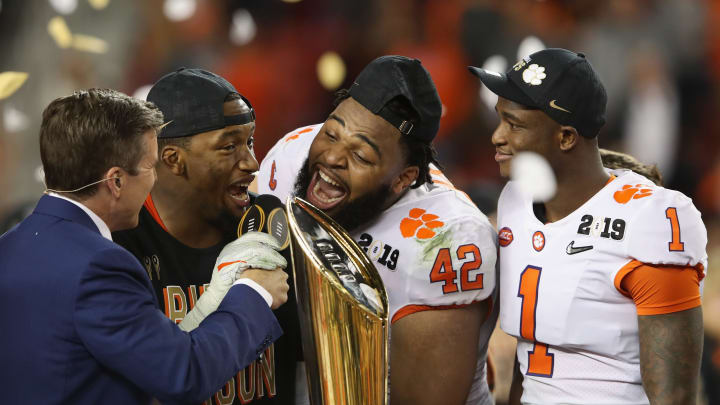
x=577, y=334
x=433, y=248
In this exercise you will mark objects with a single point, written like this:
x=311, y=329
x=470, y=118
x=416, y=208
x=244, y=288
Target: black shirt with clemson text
x=180, y=274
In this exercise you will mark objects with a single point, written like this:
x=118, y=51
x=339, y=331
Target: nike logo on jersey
x=571, y=249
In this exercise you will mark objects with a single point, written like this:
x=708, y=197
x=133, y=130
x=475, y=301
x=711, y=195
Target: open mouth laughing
x=326, y=191
x=238, y=192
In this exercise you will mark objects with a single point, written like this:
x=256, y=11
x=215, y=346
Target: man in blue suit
x=80, y=322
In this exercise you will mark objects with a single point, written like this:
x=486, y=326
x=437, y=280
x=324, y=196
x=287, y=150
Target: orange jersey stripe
x=411, y=309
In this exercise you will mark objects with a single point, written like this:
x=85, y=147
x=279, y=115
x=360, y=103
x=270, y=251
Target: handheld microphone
x=267, y=214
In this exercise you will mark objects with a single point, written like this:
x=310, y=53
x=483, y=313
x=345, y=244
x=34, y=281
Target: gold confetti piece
x=89, y=43
x=99, y=4
x=60, y=32
x=10, y=82
x=331, y=70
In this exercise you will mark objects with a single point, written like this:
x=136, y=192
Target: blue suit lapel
x=57, y=207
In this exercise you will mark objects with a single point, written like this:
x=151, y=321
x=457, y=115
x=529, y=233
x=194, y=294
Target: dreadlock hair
x=417, y=153
x=616, y=160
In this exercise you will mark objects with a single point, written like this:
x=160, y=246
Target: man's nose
x=336, y=155
x=247, y=162
x=498, y=137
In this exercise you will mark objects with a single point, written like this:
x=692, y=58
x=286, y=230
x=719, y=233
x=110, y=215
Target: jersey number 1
x=675, y=245
x=540, y=362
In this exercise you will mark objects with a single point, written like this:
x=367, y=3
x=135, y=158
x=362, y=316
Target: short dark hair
x=617, y=160
x=85, y=134
x=417, y=153
x=184, y=141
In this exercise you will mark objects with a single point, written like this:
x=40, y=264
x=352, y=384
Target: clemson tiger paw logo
x=534, y=74
x=420, y=224
x=629, y=192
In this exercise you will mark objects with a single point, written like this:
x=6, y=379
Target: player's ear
x=173, y=157
x=569, y=138
x=405, y=179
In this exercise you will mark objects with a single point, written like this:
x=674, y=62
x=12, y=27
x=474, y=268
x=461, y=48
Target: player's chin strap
x=48, y=190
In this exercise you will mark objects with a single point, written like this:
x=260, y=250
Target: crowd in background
x=659, y=61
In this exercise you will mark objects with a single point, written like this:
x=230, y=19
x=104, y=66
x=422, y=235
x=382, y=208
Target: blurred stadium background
x=659, y=60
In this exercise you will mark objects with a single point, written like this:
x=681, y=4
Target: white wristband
x=257, y=287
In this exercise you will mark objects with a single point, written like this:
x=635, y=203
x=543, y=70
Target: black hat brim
x=500, y=84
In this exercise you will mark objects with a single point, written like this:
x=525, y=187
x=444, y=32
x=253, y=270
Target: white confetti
x=533, y=175
x=142, y=92
x=64, y=7
x=15, y=120
x=243, y=28
x=179, y=10
x=495, y=63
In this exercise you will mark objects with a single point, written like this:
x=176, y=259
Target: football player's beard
x=352, y=214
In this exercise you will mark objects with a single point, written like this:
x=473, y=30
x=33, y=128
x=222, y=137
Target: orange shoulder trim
x=150, y=206
x=660, y=289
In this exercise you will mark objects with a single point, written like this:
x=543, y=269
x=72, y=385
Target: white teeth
x=324, y=200
x=328, y=179
x=240, y=197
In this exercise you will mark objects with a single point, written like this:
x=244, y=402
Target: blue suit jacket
x=79, y=323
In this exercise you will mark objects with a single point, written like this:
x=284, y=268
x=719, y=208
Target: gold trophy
x=343, y=311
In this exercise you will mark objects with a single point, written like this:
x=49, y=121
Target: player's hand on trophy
x=251, y=250
x=274, y=281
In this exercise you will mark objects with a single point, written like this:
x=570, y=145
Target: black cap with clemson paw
x=559, y=82
x=392, y=76
x=191, y=101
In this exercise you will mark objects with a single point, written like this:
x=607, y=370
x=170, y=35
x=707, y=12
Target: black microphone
x=267, y=214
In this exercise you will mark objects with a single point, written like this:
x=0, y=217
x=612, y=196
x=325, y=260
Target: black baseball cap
x=559, y=82
x=191, y=101
x=392, y=76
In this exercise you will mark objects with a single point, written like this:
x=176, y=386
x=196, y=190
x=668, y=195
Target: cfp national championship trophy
x=343, y=311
